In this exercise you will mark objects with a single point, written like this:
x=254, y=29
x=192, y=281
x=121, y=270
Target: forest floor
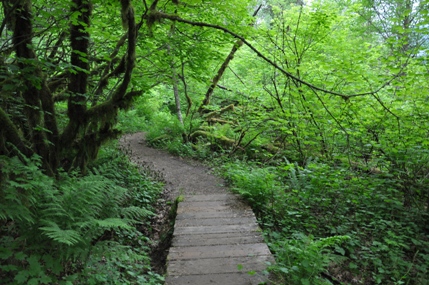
x=215, y=230
x=180, y=176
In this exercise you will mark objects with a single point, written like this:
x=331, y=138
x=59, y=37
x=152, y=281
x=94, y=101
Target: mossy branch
x=221, y=71
x=219, y=75
x=223, y=140
x=230, y=107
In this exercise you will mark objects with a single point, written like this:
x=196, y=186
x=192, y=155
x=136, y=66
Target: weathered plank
x=213, y=214
x=216, y=279
x=233, y=203
x=216, y=229
x=216, y=240
x=215, y=251
x=214, y=197
x=218, y=265
x=217, y=221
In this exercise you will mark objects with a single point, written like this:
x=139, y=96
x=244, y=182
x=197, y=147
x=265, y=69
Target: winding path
x=216, y=238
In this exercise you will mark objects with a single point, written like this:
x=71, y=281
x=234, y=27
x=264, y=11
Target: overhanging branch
x=156, y=14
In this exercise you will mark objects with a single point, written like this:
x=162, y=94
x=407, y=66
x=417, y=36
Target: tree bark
x=175, y=80
x=39, y=106
x=79, y=39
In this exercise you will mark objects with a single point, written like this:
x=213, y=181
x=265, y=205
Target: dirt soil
x=181, y=177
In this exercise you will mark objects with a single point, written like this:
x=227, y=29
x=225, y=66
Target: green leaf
x=34, y=266
x=5, y=253
x=22, y=277
x=340, y=250
x=20, y=256
x=33, y=281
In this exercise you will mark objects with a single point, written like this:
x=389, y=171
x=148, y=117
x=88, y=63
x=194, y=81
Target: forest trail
x=216, y=238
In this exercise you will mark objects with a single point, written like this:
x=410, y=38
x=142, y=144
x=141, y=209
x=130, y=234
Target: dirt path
x=216, y=238
x=181, y=176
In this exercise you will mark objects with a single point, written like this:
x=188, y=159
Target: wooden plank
x=218, y=221
x=217, y=239
x=236, y=204
x=215, y=251
x=218, y=265
x=214, y=214
x=214, y=197
x=209, y=208
x=217, y=279
x=215, y=229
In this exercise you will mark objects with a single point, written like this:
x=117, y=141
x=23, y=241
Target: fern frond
x=15, y=212
x=112, y=223
x=330, y=241
x=53, y=231
x=135, y=213
x=53, y=209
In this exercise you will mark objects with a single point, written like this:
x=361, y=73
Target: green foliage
x=369, y=181
x=255, y=184
x=75, y=229
x=320, y=218
x=166, y=127
x=300, y=259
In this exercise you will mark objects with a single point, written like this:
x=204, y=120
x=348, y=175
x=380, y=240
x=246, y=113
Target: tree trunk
x=39, y=108
x=35, y=130
x=175, y=82
x=174, y=77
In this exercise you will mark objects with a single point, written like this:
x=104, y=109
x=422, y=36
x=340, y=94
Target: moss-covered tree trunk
x=41, y=132
x=87, y=125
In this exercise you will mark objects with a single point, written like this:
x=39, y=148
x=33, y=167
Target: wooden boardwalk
x=216, y=241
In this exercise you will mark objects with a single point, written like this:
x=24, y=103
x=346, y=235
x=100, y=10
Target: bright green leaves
x=225, y=13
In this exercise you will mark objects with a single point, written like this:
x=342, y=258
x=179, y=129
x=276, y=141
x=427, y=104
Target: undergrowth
x=76, y=229
x=326, y=225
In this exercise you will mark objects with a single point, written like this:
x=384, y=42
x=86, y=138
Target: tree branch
x=157, y=14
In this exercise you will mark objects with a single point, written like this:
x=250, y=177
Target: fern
x=53, y=231
x=19, y=189
x=134, y=214
x=113, y=223
x=56, y=222
x=330, y=241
